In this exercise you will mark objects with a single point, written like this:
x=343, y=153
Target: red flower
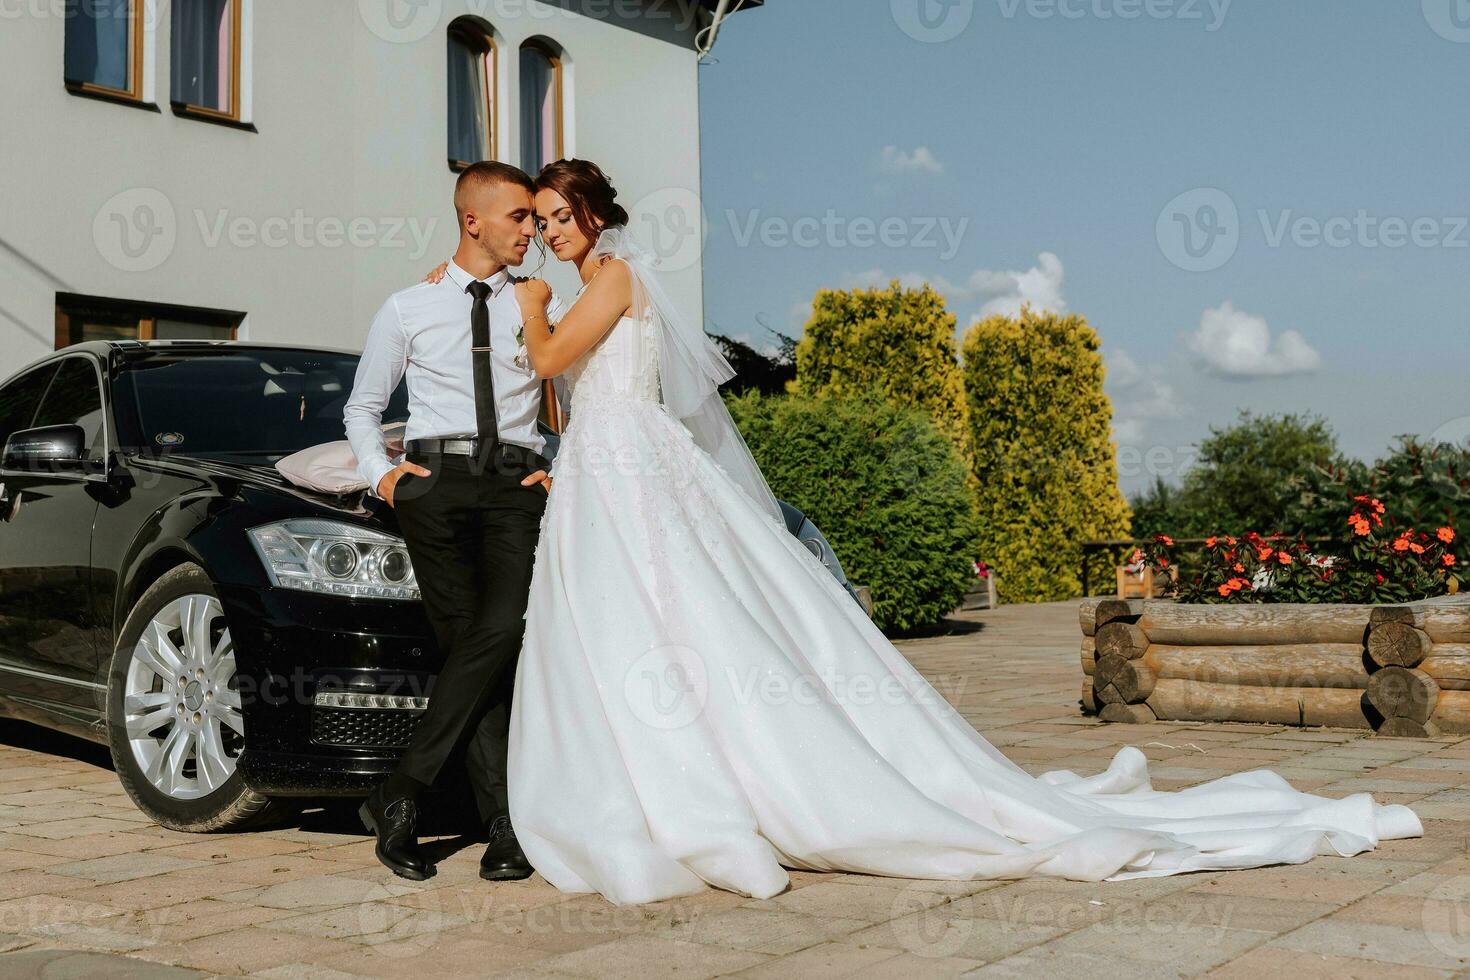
x=1448, y=559
x=1239, y=567
x=1446, y=534
x=1224, y=590
x=1210, y=541
x=1378, y=576
x=1283, y=557
x=1164, y=540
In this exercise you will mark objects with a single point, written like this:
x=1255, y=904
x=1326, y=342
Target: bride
x=698, y=702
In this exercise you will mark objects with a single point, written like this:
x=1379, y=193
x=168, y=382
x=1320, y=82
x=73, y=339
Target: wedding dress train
x=699, y=703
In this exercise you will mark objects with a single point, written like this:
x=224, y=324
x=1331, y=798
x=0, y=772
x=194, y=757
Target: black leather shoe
x=393, y=823
x=504, y=860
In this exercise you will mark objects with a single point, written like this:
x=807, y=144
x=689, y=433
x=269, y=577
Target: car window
x=19, y=398
x=248, y=403
x=75, y=399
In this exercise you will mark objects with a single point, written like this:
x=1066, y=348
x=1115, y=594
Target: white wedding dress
x=698, y=702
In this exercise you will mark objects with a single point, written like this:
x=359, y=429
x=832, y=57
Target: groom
x=469, y=497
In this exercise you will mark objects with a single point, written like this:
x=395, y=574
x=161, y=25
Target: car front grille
x=376, y=728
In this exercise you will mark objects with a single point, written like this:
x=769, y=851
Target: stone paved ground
x=89, y=888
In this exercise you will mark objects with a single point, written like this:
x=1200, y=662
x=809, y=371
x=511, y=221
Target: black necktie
x=485, y=424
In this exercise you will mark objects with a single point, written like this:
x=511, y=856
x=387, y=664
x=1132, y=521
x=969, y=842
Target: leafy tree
x=1165, y=508
x=852, y=466
x=770, y=374
x=1249, y=474
x=898, y=343
x=1046, y=465
x=1424, y=485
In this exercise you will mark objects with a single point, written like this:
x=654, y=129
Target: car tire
x=179, y=769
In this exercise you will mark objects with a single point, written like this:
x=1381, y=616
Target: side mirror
x=48, y=449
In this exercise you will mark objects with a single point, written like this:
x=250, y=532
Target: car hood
x=265, y=477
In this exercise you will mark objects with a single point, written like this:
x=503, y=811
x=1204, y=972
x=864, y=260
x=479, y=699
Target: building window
x=471, y=93
x=541, y=106
x=104, y=48
x=80, y=318
x=206, y=58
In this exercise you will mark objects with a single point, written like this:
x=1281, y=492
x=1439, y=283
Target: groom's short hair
x=486, y=174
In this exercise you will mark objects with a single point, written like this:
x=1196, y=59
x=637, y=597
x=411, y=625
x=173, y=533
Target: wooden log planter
x=1399, y=670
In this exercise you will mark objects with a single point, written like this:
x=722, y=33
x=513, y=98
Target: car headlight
x=335, y=559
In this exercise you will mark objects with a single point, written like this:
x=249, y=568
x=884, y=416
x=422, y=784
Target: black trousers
x=471, y=531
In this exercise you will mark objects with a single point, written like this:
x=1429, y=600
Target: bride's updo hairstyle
x=587, y=191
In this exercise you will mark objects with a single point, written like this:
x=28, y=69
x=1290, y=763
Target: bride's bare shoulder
x=613, y=277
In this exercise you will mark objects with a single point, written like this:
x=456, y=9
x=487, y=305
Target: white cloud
x=1140, y=395
x=919, y=160
x=1005, y=292
x=1236, y=344
x=866, y=279
x=1039, y=286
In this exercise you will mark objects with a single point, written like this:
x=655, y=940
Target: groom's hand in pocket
x=540, y=476
x=389, y=482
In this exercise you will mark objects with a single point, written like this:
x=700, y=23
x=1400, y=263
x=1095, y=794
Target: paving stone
x=124, y=867
x=1382, y=943
x=652, y=957
x=81, y=867
x=74, y=965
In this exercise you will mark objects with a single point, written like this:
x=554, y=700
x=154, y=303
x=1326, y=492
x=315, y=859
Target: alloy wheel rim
x=181, y=703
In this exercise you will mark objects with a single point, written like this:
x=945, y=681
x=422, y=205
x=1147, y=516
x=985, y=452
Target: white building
x=249, y=169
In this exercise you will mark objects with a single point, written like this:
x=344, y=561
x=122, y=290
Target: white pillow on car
x=331, y=467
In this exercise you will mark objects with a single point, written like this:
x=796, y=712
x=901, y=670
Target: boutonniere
x=521, y=352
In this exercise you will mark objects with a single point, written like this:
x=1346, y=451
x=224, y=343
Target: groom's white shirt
x=423, y=333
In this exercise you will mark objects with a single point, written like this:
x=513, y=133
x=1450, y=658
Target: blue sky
x=1067, y=149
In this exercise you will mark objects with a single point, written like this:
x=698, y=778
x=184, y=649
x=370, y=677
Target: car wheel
x=173, y=710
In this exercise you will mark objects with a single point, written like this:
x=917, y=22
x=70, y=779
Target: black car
x=164, y=590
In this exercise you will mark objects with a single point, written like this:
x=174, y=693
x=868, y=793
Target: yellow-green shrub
x=896, y=342
x=1044, y=459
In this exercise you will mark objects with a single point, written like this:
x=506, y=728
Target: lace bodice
x=622, y=366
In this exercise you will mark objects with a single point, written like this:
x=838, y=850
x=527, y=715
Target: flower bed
x=1399, y=670
x=1263, y=629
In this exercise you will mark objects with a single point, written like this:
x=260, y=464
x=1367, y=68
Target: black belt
x=466, y=446
x=472, y=447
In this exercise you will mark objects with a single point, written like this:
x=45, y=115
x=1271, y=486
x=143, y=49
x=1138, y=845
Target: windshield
x=258, y=404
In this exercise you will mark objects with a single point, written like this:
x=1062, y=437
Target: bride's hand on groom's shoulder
x=439, y=272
